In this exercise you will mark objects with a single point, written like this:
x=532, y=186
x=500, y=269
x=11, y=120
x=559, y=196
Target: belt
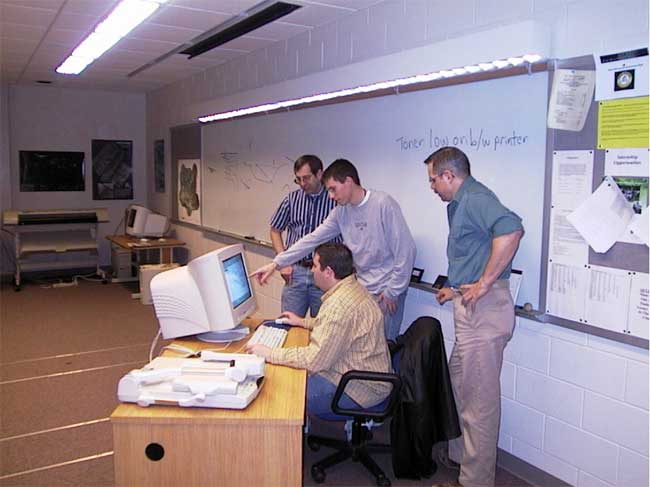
x=305, y=263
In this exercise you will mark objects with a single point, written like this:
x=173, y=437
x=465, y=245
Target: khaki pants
x=475, y=368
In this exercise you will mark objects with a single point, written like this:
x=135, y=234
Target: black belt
x=305, y=263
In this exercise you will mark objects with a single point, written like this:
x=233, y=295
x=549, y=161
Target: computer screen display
x=236, y=280
x=130, y=219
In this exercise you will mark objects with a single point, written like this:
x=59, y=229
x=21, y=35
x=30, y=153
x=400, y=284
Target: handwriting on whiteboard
x=474, y=139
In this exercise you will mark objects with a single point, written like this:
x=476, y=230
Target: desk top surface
x=129, y=242
x=280, y=401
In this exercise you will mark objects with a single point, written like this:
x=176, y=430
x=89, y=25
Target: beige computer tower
x=121, y=263
x=146, y=274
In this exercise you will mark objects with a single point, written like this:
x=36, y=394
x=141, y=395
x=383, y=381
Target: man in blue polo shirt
x=483, y=239
x=300, y=212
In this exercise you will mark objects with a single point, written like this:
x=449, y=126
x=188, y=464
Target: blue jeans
x=393, y=322
x=302, y=294
x=320, y=393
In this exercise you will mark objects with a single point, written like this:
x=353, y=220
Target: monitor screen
x=236, y=280
x=130, y=219
x=52, y=171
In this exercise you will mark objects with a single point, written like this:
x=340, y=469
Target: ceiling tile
x=19, y=31
x=72, y=21
x=66, y=37
x=90, y=7
x=224, y=6
x=26, y=15
x=315, y=15
x=163, y=33
x=350, y=4
x=46, y=4
x=24, y=47
x=278, y=31
x=189, y=19
x=146, y=45
x=247, y=43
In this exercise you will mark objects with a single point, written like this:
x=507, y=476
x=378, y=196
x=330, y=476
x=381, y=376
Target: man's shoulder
x=382, y=198
x=479, y=190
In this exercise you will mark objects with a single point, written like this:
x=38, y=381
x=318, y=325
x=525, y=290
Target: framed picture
x=189, y=189
x=112, y=169
x=159, y=165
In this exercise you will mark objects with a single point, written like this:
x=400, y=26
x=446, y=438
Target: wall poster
x=159, y=165
x=189, y=188
x=112, y=169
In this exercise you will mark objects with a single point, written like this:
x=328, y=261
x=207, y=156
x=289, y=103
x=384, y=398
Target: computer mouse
x=282, y=321
x=144, y=240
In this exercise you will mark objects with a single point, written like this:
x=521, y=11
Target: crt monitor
x=142, y=222
x=208, y=297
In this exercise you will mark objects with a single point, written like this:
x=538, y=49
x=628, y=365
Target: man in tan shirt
x=347, y=334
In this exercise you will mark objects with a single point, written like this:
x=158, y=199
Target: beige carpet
x=62, y=352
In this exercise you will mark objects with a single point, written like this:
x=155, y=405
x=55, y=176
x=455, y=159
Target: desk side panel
x=217, y=454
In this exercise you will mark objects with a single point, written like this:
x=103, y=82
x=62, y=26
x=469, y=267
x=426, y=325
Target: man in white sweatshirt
x=374, y=229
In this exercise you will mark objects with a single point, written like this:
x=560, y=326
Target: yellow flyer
x=623, y=123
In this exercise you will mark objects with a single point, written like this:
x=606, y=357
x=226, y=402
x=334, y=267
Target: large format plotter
x=54, y=231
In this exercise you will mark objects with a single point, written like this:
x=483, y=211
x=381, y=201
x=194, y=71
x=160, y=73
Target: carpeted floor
x=62, y=352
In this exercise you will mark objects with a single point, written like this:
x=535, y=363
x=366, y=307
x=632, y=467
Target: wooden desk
x=258, y=446
x=166, y=246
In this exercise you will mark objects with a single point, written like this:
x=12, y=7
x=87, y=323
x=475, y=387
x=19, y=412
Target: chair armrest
x=371, y=412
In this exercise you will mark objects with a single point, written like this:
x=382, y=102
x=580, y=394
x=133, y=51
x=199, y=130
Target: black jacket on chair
x=426, y=410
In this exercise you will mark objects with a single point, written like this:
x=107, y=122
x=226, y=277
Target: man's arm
x=503, y=250
x=278, y=246
x=324, y=232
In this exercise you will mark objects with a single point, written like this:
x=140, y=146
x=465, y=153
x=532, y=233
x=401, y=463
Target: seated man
x=347, y=334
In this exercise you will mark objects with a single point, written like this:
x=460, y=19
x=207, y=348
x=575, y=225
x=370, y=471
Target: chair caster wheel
x=16, y=288
x=313, y=446
x=104, y=281
x=318, y=474
x=383, y=481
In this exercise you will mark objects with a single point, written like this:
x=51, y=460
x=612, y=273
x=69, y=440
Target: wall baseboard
x=527, y=472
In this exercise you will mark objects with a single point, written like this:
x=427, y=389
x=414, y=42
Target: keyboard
x=271, y=336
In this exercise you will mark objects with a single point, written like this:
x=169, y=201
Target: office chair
x=358, y=447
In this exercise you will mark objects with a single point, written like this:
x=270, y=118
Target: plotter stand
x=54, y=231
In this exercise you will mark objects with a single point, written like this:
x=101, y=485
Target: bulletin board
x=602, y=293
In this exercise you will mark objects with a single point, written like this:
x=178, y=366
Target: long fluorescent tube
x=123, y=19
x=383, y=85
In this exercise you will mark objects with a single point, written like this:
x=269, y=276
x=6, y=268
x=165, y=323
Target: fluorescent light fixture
x=125, y=17
x=395, y=84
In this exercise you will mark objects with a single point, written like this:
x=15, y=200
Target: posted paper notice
x=571, y=97
x=623, y=123
x=603, y=217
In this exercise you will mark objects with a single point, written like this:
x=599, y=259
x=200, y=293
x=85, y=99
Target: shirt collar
x=346, y=281
x=467, y=183
x=315, y=195
x=365, y=199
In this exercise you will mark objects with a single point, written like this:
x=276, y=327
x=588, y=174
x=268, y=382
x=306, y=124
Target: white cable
x=153, y=344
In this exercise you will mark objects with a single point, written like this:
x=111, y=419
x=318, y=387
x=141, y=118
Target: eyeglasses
x=303, y=179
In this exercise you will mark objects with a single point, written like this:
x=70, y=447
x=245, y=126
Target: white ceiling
x=37, y=35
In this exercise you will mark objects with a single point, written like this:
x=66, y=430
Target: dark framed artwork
x=159, y=165
x=112, y=169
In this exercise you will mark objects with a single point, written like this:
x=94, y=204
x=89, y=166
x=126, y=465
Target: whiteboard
x=500, y=124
